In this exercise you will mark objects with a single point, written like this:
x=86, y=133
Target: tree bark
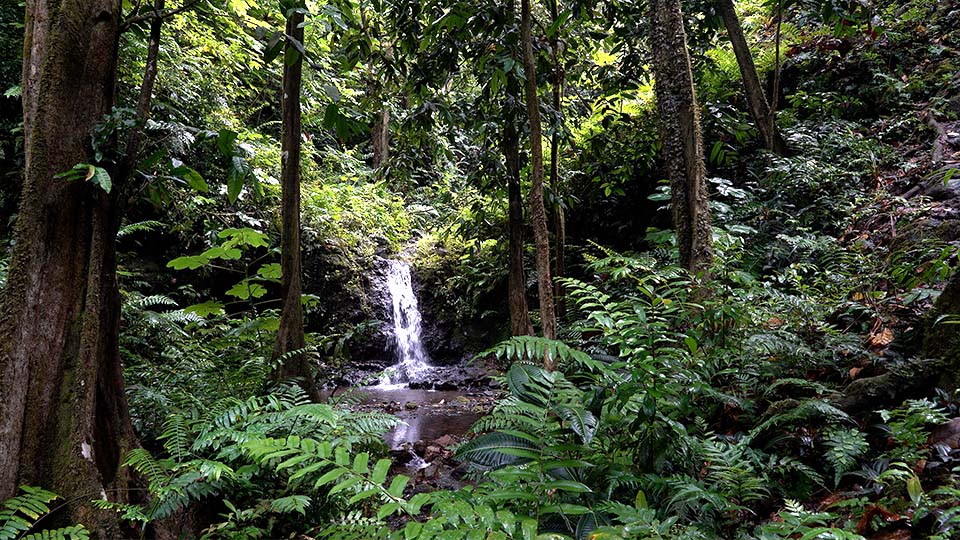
x=290, y=336
x=541, y=237
x=763, y=115
x=64, y=422
x=681, y=134
x=558, y=218
x=517, y=279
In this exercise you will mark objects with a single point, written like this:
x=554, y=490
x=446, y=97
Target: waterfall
x=412, y=361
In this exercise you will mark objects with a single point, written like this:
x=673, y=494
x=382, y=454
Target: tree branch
x=157, y=14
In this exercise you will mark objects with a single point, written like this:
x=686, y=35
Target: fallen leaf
x=880, y=338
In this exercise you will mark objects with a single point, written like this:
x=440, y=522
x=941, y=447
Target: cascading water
x=412, y=360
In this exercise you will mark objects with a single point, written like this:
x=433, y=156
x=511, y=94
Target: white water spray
x=412, y=360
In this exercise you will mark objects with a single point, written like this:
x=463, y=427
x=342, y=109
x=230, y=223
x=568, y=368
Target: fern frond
x=20, y=513
x=803, y=411
x=140, y=226
x=536, y=349
x=176, y=436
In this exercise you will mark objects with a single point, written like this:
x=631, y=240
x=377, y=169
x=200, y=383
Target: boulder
x=946, y=434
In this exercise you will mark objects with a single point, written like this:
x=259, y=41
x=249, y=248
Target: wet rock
x=432, y=453
x=453, y=378
x=420, y=447
x=445, y=441
x=430, y=472
x=401, y=456
x=392, y=407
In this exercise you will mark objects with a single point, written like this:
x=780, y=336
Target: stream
x=427, y=414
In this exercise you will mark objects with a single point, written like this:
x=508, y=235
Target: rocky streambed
x=434, y=422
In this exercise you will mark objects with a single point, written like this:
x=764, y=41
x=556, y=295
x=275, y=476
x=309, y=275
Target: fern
x=537, y=349
x=796, y=522
x=140, y=226
x=796, y=412
x=176, y=436
x=22, y=513
x=845, y=446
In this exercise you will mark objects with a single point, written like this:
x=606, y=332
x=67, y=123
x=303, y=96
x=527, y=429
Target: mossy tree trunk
x=681, y=134
x=64, y=422
x=558, y=218
x=541, y=235
x=290, y=335
x=763, y=115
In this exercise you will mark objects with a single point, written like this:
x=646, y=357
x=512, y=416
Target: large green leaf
x=498, y=450
x=189, y=263
x=243, y=237
x=246, y=290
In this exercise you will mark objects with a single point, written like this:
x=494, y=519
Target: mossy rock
x=942, y=336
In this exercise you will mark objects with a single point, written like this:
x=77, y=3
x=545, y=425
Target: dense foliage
x=792, y=395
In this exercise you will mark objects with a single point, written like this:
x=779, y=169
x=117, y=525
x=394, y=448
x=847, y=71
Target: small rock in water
x=432, y=453
x=420, y=447
x=392, y=407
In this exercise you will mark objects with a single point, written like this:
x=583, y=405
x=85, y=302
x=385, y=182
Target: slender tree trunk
x=380, y=131
x=520, y=324
x=380, y=135
x=681, y=134
x=775, y=94
x=541, y=235
x=64, y=422
x=763, y=116
x=517, y=280
x=558, y=218
x=290, y=336
x=135, y=137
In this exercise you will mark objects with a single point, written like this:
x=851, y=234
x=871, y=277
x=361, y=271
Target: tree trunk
x=380, y=136
x=541, y=237
x=135, y=137
x=64, y=422
x=681, y=135
x=290, y=336
x=763, y=116
x=517, y=280
x=380, y=131
x=558, y=218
